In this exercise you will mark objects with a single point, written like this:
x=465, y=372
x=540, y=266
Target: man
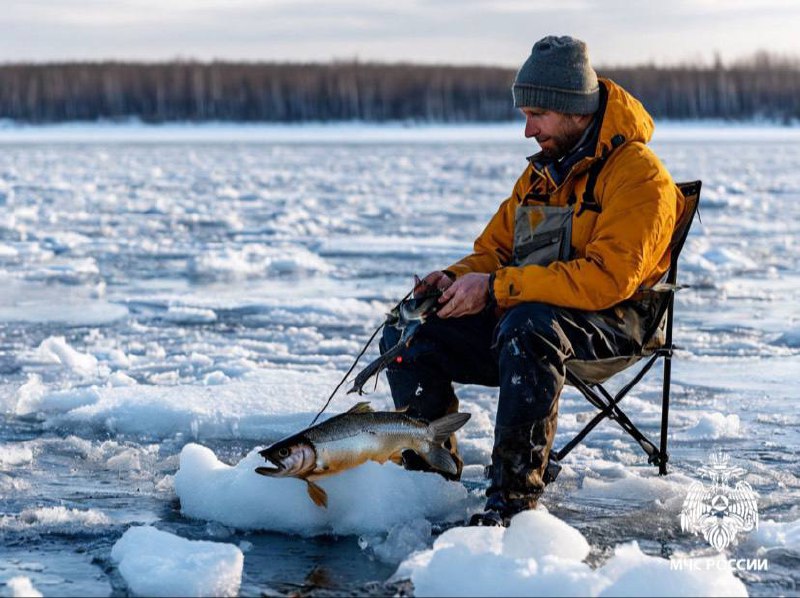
x=555, y=276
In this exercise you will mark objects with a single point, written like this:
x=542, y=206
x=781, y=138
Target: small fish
x=355, y=437
x=407, y=316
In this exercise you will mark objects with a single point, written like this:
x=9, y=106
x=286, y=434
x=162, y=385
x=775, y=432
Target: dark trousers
x=524, y=352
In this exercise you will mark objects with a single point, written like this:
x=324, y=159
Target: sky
x=490, y=32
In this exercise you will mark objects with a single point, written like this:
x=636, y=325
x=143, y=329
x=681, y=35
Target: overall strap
x=588, y=201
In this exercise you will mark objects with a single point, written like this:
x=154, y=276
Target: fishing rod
x=408, y=315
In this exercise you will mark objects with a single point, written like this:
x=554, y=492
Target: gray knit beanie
x=557, y=76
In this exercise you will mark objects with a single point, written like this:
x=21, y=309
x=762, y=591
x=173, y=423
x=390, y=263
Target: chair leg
x=663, y=456
x=608, y=408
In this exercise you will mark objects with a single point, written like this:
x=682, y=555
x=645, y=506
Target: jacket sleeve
x=492, y=249
x=631, y=234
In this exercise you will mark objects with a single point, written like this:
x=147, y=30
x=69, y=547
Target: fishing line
x=352, y=367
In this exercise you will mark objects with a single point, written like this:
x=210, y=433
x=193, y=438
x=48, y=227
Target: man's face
x=555, y=132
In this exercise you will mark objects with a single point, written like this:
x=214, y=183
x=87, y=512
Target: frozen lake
x=160, y=289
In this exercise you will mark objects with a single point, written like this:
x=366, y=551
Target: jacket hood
x=624, y=115
x=622, y=119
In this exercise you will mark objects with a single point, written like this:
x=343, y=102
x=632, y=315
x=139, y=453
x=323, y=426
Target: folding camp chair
x=588, y=377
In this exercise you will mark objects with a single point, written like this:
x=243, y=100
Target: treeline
x=764, y=87
x=761, y=87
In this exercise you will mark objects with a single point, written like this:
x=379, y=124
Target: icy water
x=151, y=294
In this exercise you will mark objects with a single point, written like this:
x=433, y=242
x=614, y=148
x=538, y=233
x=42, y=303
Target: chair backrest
x=660, y=332
x=691, y=194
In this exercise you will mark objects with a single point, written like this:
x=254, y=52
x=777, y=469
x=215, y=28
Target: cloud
x=471, y=31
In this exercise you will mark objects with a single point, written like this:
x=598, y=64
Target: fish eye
x=284, y=452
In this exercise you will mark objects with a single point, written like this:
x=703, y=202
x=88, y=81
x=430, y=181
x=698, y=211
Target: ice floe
x=371, y=498
x=265, y=405
x=189, y=315
x=540, y=555
x=400, y=541
x=157, y=563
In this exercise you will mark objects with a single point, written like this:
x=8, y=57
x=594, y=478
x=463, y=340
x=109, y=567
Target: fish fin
x=396, y=458
x=317, y=494
x=362, y=407
x=441, y=428
x=439, y=458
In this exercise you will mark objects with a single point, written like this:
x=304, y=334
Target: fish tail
x=439, y=458
x=440, y=429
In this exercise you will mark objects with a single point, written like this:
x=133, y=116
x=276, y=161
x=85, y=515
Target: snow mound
x=256, y=261
x=14, y=455
x=55, y=350
x=56, y=519
x=776, y=534
x=540, y=555
x=62, y=515
x=713, y=426
x=371, y=498
x=20, y=586
x=552, y=537
x=633, y=573
x=156, y=563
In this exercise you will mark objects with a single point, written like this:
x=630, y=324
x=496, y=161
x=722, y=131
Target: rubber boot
x=519, y=461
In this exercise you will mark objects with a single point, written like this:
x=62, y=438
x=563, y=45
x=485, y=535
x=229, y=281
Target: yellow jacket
x=617, y=250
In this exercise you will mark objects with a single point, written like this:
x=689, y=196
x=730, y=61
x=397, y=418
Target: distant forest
x=762, y=87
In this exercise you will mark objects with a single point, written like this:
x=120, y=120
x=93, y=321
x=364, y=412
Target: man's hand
x=434, y=280
x=465, y=296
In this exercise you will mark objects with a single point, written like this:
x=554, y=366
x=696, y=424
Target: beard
x=564, y=141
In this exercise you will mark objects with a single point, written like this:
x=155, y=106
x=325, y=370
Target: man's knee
x=528, y=321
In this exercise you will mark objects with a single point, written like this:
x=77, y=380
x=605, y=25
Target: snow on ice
x=160, y=294
x=617, y=480
x=775, y=534
x=265, y=404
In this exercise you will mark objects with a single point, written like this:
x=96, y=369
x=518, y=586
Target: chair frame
x=608, y=404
